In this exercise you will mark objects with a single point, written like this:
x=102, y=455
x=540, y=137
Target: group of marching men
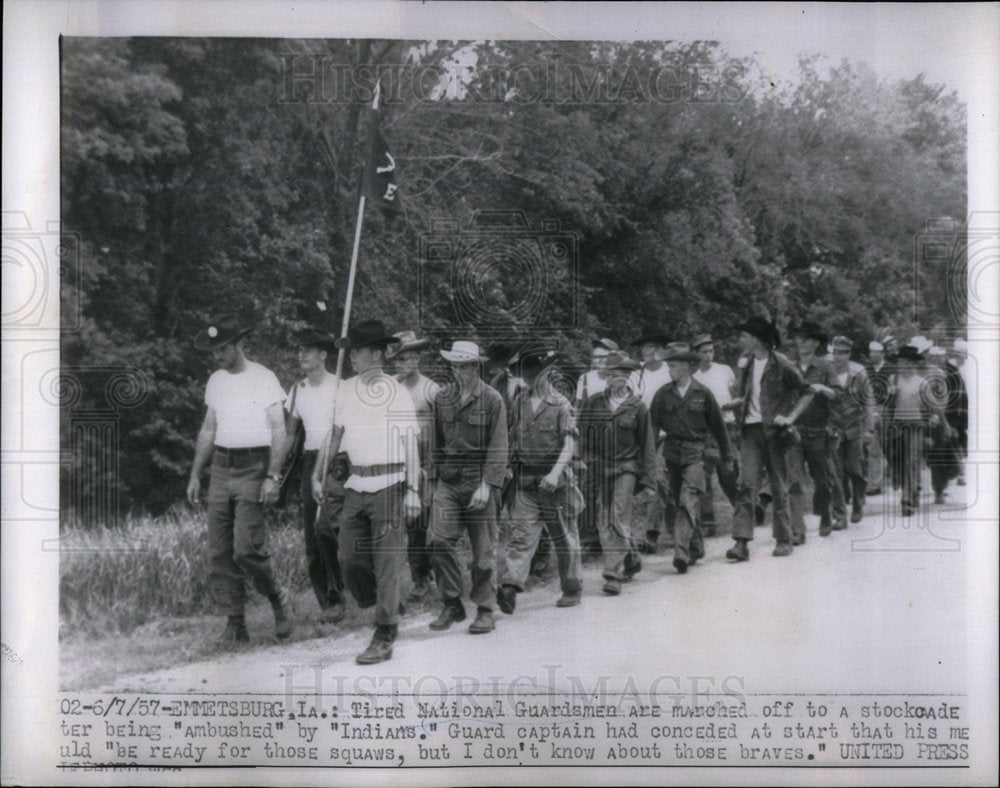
x=398, y=467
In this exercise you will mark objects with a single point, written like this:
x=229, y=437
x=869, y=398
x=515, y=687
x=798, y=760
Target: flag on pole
x=380, y=169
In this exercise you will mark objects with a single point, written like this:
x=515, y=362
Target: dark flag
x=380, y=169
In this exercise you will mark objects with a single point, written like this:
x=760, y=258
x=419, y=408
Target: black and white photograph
x=500, y=393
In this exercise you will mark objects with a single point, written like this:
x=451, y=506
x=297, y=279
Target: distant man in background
x=618, y=447
x=405, y=357
x=376, y=425
x=469, y=464
x=651, y=505
x=957, y=362
x=721, y=381
x=878, y=384
x=594, y=380
x=852, y=423
x=311, y=402
x=243, y=434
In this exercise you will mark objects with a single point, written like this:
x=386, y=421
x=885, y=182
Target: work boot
x=939, y=498
x=824, y=526
x=857, y=512
x=331, y=614
x=782, y=549
x=633, y=565
x=681, y=565
x=612, y=586
x=380, y=649
x=648, y=545
x=282, y=623
x=568, y=599
x=507, y=599
x=421, y=588
x=839, y=523
x=235, y=632
x=798, y=539
x=453, y=610
x=484, y=621
x=739, y=551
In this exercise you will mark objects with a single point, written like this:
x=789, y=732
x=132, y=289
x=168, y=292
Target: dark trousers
x=320, y=536
x=451, y=520
x=813, y=453
x=373, y=549
x=533, y=511
x=237, y=538
x=614, y=502
x=686, y=487
x=762, y=451
x=727, y=481
x=849, y=473
x=905, y=450
x=418, y=549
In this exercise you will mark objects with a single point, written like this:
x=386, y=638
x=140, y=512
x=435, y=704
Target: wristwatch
x=274, y=477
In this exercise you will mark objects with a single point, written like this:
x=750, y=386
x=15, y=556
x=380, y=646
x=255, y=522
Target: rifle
x=293, y=459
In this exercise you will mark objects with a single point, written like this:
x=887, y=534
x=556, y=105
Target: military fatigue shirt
x=854, y=401
x=687, y=421
x=817, y=413
x=537, y=437
x=470, y=434
x=618, y=441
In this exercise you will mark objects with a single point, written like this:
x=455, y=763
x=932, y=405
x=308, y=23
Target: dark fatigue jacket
x=471, y=434
x=687, y=422
x=853, y=404
x=620, y=441
x=781, y=386
x=536, y=438
x=817, y=413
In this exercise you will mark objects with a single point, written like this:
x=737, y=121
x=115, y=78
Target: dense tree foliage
x=208, y=176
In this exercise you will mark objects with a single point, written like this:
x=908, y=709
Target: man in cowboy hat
x=311, y=402
x=376, y=424
x=652, y=506
x=470, y=461
x=815, y=448
x=686, y=412
x=243, y=434
x=405, y=357
x=721, y=381
x=618, y=446
x=772, y=394
x=542, y=437
x=851, y=420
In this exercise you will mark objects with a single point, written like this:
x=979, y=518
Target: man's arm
x=279, y=447
x=411, y=501
x=713, y=417
x=202, y=453
x=328, y=449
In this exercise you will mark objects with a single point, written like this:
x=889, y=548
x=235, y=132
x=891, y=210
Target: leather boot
x=235, y=632
x=282, y=623
x=453, y=610
x=484, y=622
x=380, y=648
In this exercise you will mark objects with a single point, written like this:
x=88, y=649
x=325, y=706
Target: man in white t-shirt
x=375, y=423
x=721, y=381
x=311, y=402
x=243, y=433
x=594, y=380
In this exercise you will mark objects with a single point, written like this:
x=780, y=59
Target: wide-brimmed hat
x=407, y=341
x=875, y=346
x=702, y=339
x=607, y=344
x=311, y=336
x=534, y=358
x=618, y=361
x=842, y=343
x=763, y=329
x=809, y=330
x=463, y=352
x=921, y=343
x=652, y=337
x=365, y=334
x=909, y=353
x=499, y=353
x=220, y=332
x=680, y=351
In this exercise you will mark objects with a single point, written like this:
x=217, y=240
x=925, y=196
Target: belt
x=249, y=451
x=377, y=470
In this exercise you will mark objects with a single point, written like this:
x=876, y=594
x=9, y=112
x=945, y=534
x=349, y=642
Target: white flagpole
x=349, y=300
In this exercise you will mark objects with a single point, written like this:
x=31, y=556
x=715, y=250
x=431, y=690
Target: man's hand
x=480, y=497
x=411, y=505
x=269, y=491
x=781, y=421
x=934, y=420
x=317, y=489
x=194, y=490
x=550, y=481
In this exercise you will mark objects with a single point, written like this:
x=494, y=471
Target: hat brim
x=406, y=347
x=344, y=343
x=203, y=341
x=461, y=358
x=689, y=357
x=625, y=366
